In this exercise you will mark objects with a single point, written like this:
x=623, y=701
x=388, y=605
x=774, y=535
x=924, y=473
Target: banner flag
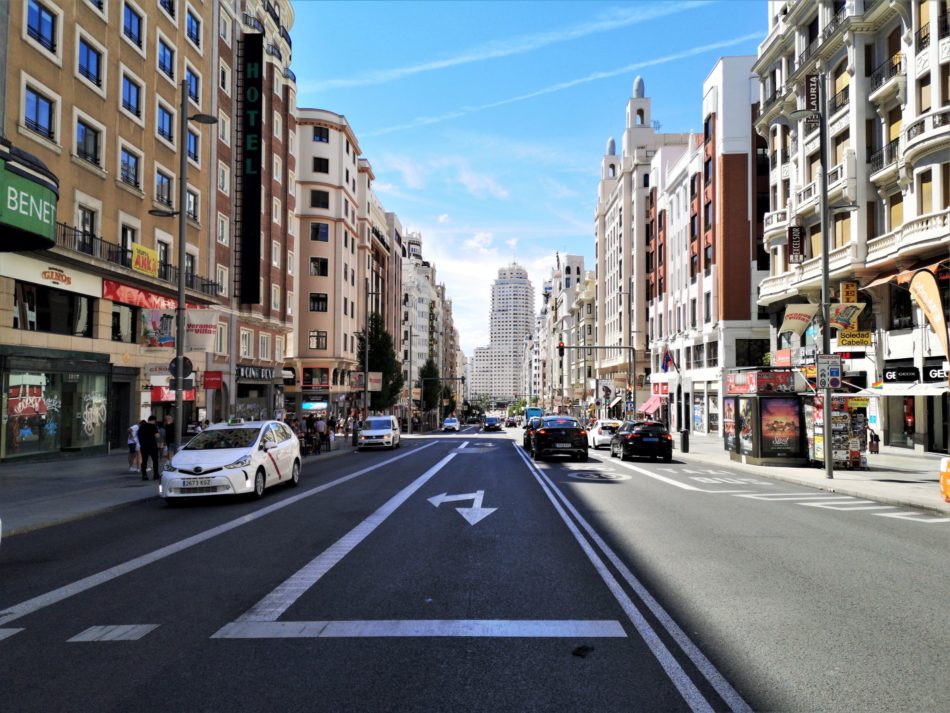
x=201, y=327
x=844, y=315
x=158, y=329
x=797, y=318
x=926, y=293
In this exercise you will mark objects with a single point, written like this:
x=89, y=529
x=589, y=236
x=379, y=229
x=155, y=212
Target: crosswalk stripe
x=7, y=633
x=115, y=632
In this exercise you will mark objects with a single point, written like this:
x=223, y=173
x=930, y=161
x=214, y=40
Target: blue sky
x=485, y=122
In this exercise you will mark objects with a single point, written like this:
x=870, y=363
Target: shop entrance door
x=119, y=414
x=938, y=429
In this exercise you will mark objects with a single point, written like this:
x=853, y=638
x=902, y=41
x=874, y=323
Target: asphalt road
x=455, y=575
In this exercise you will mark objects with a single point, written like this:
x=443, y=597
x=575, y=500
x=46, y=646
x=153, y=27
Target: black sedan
x=559, y=435
x=492, y=424
x=529, y=427
x=642, y=438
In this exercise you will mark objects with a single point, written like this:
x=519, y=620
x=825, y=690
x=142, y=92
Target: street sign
x=849, y=291
x=854, y=339
x=829, y=371
x=186, y=365
x=628, y=406
x=796, y=244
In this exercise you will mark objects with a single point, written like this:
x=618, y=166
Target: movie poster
x=781, y=428
x=745, y=425
x=729, y=424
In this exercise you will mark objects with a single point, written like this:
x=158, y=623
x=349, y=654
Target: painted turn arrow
x=472, y=514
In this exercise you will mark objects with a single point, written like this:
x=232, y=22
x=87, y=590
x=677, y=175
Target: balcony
x=286, y=37
x=252, y=22
x=943, y=28
x=806, y=194
x=272, y=11
x=927, y=135
x=880, y=84
x=883, y=158
x=274, y=51
x=838, y=102
x=807, y=54
x=922, y=38
x=916, y=236
x=290, y=75
x=82, y=242
x=835, y=24
x=774, y=225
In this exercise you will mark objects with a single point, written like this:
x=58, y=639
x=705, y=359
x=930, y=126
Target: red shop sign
x=137, y=297
x=164, y=394
x=213, y=379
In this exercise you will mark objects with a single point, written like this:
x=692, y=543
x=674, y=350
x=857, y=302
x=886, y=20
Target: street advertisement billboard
x=729, y=424
x=746, y=426
x=781, y=430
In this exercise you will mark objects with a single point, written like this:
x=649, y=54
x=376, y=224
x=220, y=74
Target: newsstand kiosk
x=762, y=420
x=849, y=440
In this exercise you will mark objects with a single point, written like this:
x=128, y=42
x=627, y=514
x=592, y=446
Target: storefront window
x=124, y=320
x=713, y=401
x=901, y=423
x=902, y=310
x=37, y=308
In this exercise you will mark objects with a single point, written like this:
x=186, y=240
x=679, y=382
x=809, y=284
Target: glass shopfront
x=901, y=421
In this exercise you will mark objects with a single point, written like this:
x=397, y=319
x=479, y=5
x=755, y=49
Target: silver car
x=601, y=432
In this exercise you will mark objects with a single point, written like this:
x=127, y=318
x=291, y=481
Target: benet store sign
x=28, y=196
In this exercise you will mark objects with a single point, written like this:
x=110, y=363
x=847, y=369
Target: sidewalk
x=40, y=494
x=892, y=478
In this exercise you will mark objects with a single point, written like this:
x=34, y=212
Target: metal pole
x=411, y=383
x=182, y=254
x=825, y=287
x=630, y=333
x=366, y=355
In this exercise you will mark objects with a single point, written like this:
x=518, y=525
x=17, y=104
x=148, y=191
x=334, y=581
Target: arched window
x=640, y=117
x=612, y=171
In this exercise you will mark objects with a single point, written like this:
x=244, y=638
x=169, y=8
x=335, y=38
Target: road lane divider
x=55, y=596
x=671, y=666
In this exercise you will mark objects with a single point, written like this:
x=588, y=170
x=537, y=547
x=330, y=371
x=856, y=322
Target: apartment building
x=582, y=336
x=621, y=233
x=332, y=279
x=565, y=281
x=886, y=71
x=93, y=91
x=705, y=256
x=255, y=328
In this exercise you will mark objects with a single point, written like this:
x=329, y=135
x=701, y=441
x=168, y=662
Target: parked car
x=559, y=435
x=379, y=432
x=602, y=432
x=642, y=438
x=529, y=427
x=451, y=424
x=230, y=459
x=510, y=423
x=492, y=423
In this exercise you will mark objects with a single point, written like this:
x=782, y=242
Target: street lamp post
x=183, y=120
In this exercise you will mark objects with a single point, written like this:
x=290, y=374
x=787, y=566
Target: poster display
x=746, y=426
x=780, y=428
x=158, y=329
x=729, y=424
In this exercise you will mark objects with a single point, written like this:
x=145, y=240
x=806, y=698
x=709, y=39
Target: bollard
x=684, y=441
x=945, y=478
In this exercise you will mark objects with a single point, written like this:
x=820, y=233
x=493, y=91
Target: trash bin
x=945, y=478
x=684, y=441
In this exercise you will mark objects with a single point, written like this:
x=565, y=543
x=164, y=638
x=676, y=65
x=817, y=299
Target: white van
x=379, y=432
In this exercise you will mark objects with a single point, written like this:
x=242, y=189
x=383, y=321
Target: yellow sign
x=855, y=402
x=849, y=291
x=144, y=260
x=854, y=339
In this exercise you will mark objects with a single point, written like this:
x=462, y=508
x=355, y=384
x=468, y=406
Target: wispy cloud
x=444, y=218
x=479, y=184
x=561, y=86
x=617, y=18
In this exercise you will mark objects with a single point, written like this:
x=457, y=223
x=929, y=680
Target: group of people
x=150, y=440
x=319, y=430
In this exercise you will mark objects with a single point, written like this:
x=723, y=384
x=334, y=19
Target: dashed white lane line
x=421, y=628
x=57, y=595
x=7, y=633
x=657, y=476
x=115, y=632
x=777, y=497
x=848, y=504
x=913, y=516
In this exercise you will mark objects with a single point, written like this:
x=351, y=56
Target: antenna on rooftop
x=656, y=124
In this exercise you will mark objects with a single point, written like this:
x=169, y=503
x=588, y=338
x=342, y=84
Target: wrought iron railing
x=33, y=125
x=883, y=157
x=274, y=51
x=290, y=75
x=252, y=22
x=807, y=53
x=922, y=38
x=88, y=156
x=47, y=42
x=887, y=70
x=839, y=101
x=835, y=23
x=286, y=36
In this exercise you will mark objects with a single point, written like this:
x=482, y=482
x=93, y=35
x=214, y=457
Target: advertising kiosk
x=762, y=418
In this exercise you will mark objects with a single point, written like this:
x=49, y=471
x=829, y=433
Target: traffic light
x=560, y=349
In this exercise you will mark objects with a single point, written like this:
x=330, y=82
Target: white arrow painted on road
x=472, y=514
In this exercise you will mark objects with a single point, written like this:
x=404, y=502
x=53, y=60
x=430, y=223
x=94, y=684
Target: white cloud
x=444, y=218
x=615, y=19
x=480, y=242
x=513, y=243
x=413, y=173
x=480, y=184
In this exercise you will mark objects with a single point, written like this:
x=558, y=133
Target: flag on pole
x=668, y=360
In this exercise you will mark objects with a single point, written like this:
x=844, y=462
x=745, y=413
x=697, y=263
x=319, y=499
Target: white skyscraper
x=497, y=368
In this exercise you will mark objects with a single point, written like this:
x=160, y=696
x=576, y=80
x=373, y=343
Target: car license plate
x=650, y=440
x=563, y=445
x=196, y=483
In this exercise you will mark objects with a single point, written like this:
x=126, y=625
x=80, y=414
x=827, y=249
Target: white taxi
x=232, y=459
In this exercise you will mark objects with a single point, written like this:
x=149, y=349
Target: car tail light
x=629, y=436
x=540, y=430
x=667, y=436
x=582, y=432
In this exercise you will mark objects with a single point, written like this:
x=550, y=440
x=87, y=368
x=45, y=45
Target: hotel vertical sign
x=251, y=127
x=813, y=99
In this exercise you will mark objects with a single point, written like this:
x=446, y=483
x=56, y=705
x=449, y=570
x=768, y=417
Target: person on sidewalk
x=169, y=435
x=321, y=434
x=135, y=456
x=148, y=441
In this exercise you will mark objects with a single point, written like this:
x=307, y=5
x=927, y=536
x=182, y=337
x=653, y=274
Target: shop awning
x=651, y=405
x=902, y=277
x=616, y=401
x=909, y=390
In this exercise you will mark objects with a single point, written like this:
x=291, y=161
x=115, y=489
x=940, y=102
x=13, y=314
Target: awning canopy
x=902, y=277
x=616, y=401
x=909, y=390
x=651, y=405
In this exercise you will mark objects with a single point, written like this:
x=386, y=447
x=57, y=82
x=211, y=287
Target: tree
x=382, y=358
x=429, y=378
x=482, y=402
x=516, y=408
x=448, y=394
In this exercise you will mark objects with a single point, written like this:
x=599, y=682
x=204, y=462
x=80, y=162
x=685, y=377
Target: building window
x=707, y=308
x=191, y=207
x=277, y=125
x=224, y=178
x=166, y=59
x=290, y=304
x=279, y=352
x=193, y=145
x=163, y=188
x=168, y=6
x=321, y=165
x=41, y=25
x=224, y=78
x=902, y=308
x=319, y=199
x=290, y=263
x=131, y=95
x=193, y=28
x=275, y=297
x=318, y=301
x=221, y=278
x=246, y=348
x=90, y=62
x=87, y=142
x=164, y=122
x=224, y=128
x=263, y=346
x=132, y=25
x=125, y=322
x=37, y=308
x=322, y=134
x=39, y=115
x=692, y=313
x=129, y=168
x=278, y=169
x=275, y=253
x=277, y=211
x=224, y=29
x=221, y=339
x=194, y=85
x=224, y=229
x=317, y=340
x=319, y=267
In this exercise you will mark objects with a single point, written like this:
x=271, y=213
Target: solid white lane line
x=117, y=632
x=656, y=476
x=687, y=689
x=421, y=628
x=280, y=599
x=779, y=497
x=848, y=506
x=698, y=658
x=7, y=633
x=57, y=595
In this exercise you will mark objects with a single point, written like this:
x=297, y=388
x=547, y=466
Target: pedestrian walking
x=169, y=435
x=135, y=455
x=148, y=434
x=321, y=428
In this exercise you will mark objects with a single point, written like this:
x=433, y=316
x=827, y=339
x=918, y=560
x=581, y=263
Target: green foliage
x=428, y=376
x=448, y=394
x=382, y=358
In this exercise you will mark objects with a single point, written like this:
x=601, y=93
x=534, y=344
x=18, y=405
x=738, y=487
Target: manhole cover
x=596, y=475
